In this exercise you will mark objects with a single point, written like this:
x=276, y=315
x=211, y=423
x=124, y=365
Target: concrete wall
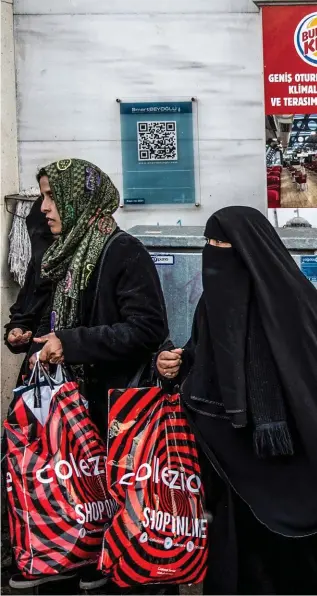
x=9, y=184
x=75, y=57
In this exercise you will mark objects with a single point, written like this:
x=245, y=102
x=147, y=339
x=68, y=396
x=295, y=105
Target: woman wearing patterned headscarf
x=108, y=313
x=128, y=321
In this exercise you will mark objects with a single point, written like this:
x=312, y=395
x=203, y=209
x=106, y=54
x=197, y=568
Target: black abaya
x=26, y=312
x=34, y=296
x=263, y=537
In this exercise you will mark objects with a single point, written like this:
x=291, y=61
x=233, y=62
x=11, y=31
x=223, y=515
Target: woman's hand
x=32, y=361
x=17, y=337
x=169, y=363
x=52, y=352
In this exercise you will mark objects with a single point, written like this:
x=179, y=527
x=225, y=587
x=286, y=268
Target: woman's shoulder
x=124, y=244
x=122, y=254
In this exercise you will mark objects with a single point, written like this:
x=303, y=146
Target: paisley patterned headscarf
x=86, y=199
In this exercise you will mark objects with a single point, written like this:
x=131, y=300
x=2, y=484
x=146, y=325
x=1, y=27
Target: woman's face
x=219, y=243
x=49, y=207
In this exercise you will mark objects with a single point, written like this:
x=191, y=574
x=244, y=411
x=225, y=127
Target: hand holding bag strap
x=103, y=256
x=135, y=381
x=38, y=374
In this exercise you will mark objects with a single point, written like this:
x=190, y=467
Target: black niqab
x=281, y=491
x=226, y=287
x=287, y=303
x=241, y=353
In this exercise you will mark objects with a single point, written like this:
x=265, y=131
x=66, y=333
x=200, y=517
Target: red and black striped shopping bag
x=57, y=497
x=159, y=533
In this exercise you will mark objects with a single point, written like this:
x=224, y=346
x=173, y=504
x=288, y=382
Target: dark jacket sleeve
x=17, y=309
x=141, y=308
x=43, y=329
x=28, y=308
x=17, y=313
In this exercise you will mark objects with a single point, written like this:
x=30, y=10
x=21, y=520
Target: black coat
x=27, y=311
x=128, y=325
x=35, y=294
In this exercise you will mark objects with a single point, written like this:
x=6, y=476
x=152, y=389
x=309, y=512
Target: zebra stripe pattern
x=56, y=483
x=159, y=533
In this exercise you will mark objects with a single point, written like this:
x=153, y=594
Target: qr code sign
x=157, y=141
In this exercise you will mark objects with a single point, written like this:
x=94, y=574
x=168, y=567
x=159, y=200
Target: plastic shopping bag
x=159, y=533
x=56, y=482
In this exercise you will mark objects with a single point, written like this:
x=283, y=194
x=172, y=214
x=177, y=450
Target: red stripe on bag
x=159, y=533
x=59, y=502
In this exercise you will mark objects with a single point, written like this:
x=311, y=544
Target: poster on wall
x=290, y=79
x=158, y=153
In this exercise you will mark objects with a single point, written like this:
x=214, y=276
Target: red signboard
x=290, y=59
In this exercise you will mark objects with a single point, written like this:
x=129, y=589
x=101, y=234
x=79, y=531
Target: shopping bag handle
x=116, y=234
x=36, y=370
x=38, y=373
x=135, y=381
x=35, y=378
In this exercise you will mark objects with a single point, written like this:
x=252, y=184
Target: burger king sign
x=290, y=58
x=305, y=39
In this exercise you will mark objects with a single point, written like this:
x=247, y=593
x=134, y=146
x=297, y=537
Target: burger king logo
x=305, y=39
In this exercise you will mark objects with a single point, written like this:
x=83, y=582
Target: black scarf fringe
x=273, y=439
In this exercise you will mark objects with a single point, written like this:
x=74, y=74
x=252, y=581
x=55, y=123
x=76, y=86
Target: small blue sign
x=157, y=153
x=161, y=259
x=134, y=201
x=309, y=267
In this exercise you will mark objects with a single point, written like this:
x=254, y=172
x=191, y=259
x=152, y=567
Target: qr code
x=157, y=141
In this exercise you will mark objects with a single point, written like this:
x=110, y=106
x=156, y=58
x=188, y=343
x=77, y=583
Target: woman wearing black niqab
x=249, y=382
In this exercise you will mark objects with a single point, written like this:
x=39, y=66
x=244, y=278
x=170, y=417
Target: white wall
x=75, y=57
x=9, y=184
